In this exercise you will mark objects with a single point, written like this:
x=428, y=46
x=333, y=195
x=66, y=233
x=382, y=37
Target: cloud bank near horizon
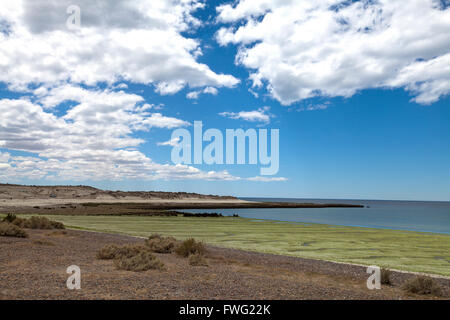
x=53, y=66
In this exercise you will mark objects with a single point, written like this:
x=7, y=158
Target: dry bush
x=159, y=244
x=386, y=276
x=38, y=223
x=107, y=252
x=132, y=257
x=10, y=217
x=11, y=230
x=190, y=246
x=422, y=285
x=197, y=260
x=142, y=261
x=154, y=236
x=43, y=242
x=56, y=233
x=20, y=222
x=113, y=251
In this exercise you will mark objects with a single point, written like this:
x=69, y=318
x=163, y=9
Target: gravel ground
x=33, y=269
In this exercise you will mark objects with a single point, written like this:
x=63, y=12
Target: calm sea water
x=398, y=215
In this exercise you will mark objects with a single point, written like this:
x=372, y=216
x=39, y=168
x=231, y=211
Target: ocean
x=422, y=216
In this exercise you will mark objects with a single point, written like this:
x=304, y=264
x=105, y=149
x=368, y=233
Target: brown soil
x=35, y=268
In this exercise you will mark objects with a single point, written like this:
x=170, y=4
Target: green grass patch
x=411, y=251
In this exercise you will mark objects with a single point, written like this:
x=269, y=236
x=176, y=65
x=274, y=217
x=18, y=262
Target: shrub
x=197, y=260
x=385, y=276
x=154, y=236
x=11, y=230
x=43, y=242
x=20, y=222
x=422, y=285
x=133, y=257
x=56, y=233
x=38, y=223
x=107, y=252
x=190, y=246
x=159, y=244
x=10, y=217
x=113, y=251
x=142, y=261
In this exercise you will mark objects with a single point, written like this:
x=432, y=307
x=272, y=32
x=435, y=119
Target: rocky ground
x=35, y=268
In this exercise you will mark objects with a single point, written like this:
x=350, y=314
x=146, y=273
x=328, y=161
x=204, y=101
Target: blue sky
x=362, y=105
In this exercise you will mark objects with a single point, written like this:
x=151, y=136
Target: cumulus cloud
x=207, y=90
x=259, y=115
x=77, y=130
x=136, y=41
x=78, y=170
x=302, y=49
x=93, y=140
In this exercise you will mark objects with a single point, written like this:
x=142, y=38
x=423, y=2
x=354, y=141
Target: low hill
x=24, y=192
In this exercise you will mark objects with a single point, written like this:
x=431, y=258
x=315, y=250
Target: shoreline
x=23, y=196
x=163, y=204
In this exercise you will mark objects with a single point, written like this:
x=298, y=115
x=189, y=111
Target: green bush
x=11, y=230
x=197, y=260
x=190, y=246
x=159, y=244
x=422, y=285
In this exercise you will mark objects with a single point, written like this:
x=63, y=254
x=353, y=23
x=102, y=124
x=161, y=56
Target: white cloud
x=207, y=90
x=93, y=140
x=267, y=179
x=93, y=134
x=302, y=49
x=172, y=142
x=193, y=94
x=121, y=86
x=260, y=115
x=4, y=165
x=136, y=41
x=312, y=107
x=210, y=90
